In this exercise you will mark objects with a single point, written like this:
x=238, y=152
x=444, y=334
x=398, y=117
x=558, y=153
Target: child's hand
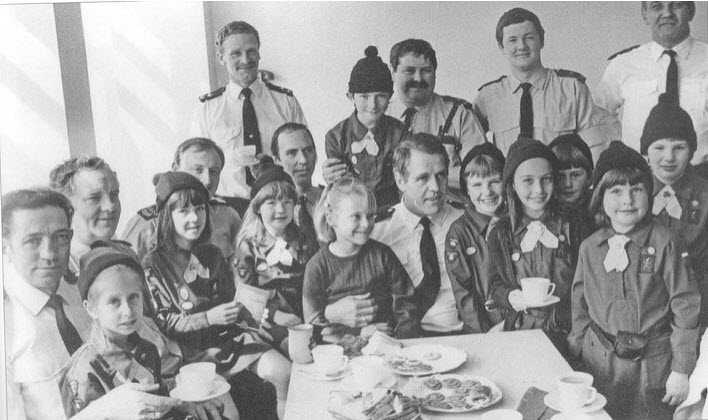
x=354, y=311
x=333, y=169
x=676, y=388
x=224, y=314
x=516, y=300
x=285, y=319
x=209, y=410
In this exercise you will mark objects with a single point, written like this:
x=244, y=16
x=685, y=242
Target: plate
x=219, y=388
x=350, y=405
x=552, y=401
x=425, y=359
x=453, y=393
x=571, y=416
x=550, y=300
x=312, y=372
x=351, y=384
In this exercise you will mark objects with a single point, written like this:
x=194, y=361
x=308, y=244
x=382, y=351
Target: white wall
x=312, y=46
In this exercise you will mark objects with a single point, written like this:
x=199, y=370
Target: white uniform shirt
x=221, y=120
x=402, y=232
x=633, y=81
x=36, y=356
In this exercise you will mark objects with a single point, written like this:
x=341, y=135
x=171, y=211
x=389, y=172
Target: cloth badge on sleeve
x=471, y=250
x=451, y=256
x=183, y=293
x=186, y=305
x=453, y=243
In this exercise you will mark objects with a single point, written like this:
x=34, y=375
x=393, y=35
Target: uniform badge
x=560, y=252
x=235, y=261
x=354, y=160
x=693, y=213
x=187, y=305
x=651, y=250
x=515, y=256
x=242, y=271
x=262, y=266
x=451, y=256
x=561, y=238
x=184, y=293
x=646, y=263
x=471, y=250
x=453, y=243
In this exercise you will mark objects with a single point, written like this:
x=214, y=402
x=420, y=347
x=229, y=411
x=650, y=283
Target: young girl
x=191, y=287
x=352, y=264
x=533, y=240
x=468, y=262
x=271, y=252
x=635, y=302
x=574, y=175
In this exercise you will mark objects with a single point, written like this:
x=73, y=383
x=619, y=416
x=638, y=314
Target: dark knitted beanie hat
x=105, y=254
x=524, y=149
x=370, y=74
x=668, y=121
x=169, y=182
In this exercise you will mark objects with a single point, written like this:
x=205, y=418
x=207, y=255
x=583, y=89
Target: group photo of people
x=539, y=203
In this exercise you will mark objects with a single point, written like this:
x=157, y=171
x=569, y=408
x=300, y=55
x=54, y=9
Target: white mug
x=329, y=359
x=299, y=337
x=536, y=289
x=197, y=379
x=575, y=390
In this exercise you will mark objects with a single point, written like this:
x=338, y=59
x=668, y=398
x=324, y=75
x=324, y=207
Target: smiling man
x=535, y=101
x=245, y=112
x=673, y=62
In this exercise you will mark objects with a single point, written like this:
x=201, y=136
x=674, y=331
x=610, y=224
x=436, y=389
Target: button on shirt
x=221, y=119
x=561, y=105
x=633, y=81
x=402, y=232
x=36, y=356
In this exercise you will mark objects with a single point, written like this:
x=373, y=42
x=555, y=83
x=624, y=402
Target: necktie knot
x=302, y=200
x=55, y=302
x=526, y=86
x=246, y=92
x=670, y=53
x=425, y=222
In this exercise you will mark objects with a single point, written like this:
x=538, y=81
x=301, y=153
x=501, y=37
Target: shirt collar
x=411, y=221
x=479, y=221
x=33, y=299
x=681, y=187
x=683, y=49
x=423, y=109
x=256, y=87
x=639, y=234
x=537, y=81
x=358, y=129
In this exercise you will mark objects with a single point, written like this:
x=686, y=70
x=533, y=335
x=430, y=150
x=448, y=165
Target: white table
x=515, y=361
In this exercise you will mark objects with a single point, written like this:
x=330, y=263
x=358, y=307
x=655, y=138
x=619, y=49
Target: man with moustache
x=244, y=114
x=673, y=62
x=415, y=229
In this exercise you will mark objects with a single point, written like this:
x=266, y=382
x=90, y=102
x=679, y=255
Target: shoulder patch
x=212, y=95
x=279, y=89
x=460, y=101
x=491, y=83
x=148, y=212
x=384, y=214
x=569, y=73
x=217, y=200
x=618, y=53
x=459, y=205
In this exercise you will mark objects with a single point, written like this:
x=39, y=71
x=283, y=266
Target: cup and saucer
x=369, y=372
x=199, y=382
x=575, y=394
x=330, y=363
x=538, y=292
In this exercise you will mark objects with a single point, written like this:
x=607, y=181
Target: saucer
x=552, y=401
x=312, y=372
x=219, y=387
x=389, y=382
x=549, y=300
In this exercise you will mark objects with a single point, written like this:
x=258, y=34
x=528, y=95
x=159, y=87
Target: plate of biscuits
x=453, y=393
x=424, y=359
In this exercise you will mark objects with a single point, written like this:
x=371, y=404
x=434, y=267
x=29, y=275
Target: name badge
x=693, y=213
x=647, y=259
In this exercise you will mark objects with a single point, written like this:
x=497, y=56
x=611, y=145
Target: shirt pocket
x=642, y=91
x=224, y=134
x=693, y=96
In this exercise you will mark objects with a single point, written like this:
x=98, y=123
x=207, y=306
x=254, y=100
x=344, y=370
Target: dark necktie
x=672, y=77
x=251, y=135
x=427, y=290
x=307, y=225
x=408, y=118
x=69, y=335
x=526, y=111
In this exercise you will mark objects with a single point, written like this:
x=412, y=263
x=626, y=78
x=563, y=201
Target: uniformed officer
x=421, y=110
x=245, y=112
x=672, y=62
x=535, y=101
x=204, y=159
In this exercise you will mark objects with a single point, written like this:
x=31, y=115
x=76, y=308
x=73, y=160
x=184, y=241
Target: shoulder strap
x=212, y=95
x=569, y=73
x=279, y=89
x=491, y=83
x=624, y=51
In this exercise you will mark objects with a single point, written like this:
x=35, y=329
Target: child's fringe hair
x=328, y=204
x=252, y=228
x=613, y=177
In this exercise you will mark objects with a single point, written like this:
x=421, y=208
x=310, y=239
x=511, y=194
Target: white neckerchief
x=666, y=199
x=538, y=232
x=367, y=143
x=616, y=258
x=194, y=269
x=279, y=253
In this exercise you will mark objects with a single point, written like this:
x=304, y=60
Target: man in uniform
x=242, y=116
x=534, y=101
x=673, y=63
x=423, y=111
x=204, y=159
x=294, y=149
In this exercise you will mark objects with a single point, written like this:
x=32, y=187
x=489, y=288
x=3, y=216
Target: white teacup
x=197, y=379
x=329, y=359
x=575, y=390
x=536, y=289
x=368, y=371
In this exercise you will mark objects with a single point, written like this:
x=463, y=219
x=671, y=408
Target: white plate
x=350, y=404
x=350, y=384
x=219, y=388
x=449, y=358
x=416, y=388
x=552, y=401
x=550, y=300
x=312, y=372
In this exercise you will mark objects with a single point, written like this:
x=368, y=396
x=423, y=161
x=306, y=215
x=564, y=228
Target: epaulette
x=384, y=214
x=148, y=213
x=217, y=200
x=458, y=100
x=491, y=83
x=626, y=50
x=279, y=89
x=570, y=73
x=212, y=95
x=459, y=205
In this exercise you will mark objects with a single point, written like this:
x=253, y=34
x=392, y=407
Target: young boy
x=680, y=195
x=110, y=283
x=364, y=142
